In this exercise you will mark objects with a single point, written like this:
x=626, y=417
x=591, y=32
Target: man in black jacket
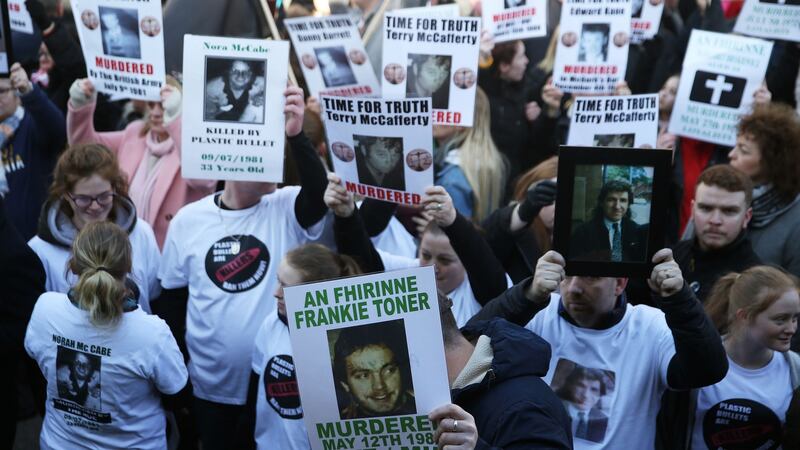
x=640, y=351
x=720, y=214
x=611, y=235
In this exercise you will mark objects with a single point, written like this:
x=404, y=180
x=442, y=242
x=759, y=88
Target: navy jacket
x=513, y=408
x=29, y=158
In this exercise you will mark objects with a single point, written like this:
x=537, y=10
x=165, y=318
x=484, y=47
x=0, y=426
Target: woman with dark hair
x=767, y=151
x=88, y=187
x=276, y=421
x=108, y=364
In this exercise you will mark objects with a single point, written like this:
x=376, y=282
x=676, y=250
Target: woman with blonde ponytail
x=107, y=363
x=756, y=311
x=276, y=421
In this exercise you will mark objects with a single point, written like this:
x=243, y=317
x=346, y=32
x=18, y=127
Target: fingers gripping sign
x=548, y=275
x=666, y=278
x=455, y=428
x=439, y=205
x=337, y=198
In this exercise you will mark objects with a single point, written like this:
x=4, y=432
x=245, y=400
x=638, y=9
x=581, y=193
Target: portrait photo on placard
x=607, y=210
x=587, y=394
x=625, y=140
x=593, y=47
x=379, y=161
x=119, y=30
x=334, y=66
x=372, y=370
x=429, y=76
x=508, y=4
x=235, y=90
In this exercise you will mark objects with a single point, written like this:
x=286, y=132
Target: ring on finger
x=438, y=206
x=455, y=425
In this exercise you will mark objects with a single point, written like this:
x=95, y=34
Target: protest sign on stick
x=720, y=74
x=592, y=51
x=645, y=19
x=618, y=121
x=770, y=19
x=383, y=326
x=433, y=57
x=233, y=120
x=381, y=148
x=19, y=18
x=509, y=20
x=123, y=46
x=332, y=56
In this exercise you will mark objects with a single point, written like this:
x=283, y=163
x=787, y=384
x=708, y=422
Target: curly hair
x=775, y=128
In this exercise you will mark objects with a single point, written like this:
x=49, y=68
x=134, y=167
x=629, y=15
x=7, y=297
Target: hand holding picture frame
x=610, y=209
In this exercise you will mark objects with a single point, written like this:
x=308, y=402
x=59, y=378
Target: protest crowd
x=400, y=224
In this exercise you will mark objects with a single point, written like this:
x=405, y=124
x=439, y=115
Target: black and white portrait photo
x=593, y=47
x=636, y=8
x=372, y=371
x=334, y=66
x=379, y=161
x=235, y=90
x=508, y=4
x=78, y=377
x=119, y=29
x=429, y=76
x=625, y=140
x=586, y=394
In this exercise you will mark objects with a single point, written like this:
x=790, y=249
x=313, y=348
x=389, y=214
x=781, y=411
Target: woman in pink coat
x=149, y=152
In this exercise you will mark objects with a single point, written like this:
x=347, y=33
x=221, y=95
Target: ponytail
x=752, y=291
x=101, y=257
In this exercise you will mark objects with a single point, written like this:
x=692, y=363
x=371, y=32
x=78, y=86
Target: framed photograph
x=610, y=209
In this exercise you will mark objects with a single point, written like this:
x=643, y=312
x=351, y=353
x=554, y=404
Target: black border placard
x=7, y=38
x=568, y=159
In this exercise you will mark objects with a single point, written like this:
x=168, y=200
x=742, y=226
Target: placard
x=332, y=56
x=645, y=19
x=625, y=121
x=592, y=52
x=448, y=10
x=720, y=74
x=383, y=327
x=433, y=57
x=19, y=18
x=233, y=120
x=123, y=45
x=509, y=20
x=6, y=57
x=771, y=19
x=381, y=148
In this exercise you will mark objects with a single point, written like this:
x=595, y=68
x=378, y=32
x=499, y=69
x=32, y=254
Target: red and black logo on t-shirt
x=237, y=264
x=280, y=386
x=739, y=424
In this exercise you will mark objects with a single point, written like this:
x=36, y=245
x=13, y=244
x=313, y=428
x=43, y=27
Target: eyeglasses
x=84, y=201
x=6, y=90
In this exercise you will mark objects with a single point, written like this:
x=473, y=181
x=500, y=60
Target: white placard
x=720, y=74
x=449, y=10
x=645, y=19
x=19, y=17
x=233, y=121
x=123, y=45
x=509, y=20
x=383, y=327
x=771, y=19
x=332, y=56
x=592, y=52
x=615, y=121
x=433, y=57
x=381, y=148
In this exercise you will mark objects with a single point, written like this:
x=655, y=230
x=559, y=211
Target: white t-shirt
x=145, y=260
x=628, y=363
x=465, y=306
x=279, y=415
x=747, y=409
x=396, y=240
x=228, y=259
x=103, y=384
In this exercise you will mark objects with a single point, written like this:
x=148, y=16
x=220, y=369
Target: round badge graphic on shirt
x=237, y=264
x=280, y=386
x=739, y=424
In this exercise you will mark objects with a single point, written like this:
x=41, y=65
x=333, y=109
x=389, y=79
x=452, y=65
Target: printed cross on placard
x=718, y=86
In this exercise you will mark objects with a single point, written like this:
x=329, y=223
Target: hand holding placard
x=548, y=275
x=337, y=198
x=456, y=428
x=666, y=278
x=294, y=110
x=439, y=205
x=19, y=79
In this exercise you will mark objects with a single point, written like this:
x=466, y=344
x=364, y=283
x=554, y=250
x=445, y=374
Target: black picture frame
x=6, y=38
x=571, y=157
